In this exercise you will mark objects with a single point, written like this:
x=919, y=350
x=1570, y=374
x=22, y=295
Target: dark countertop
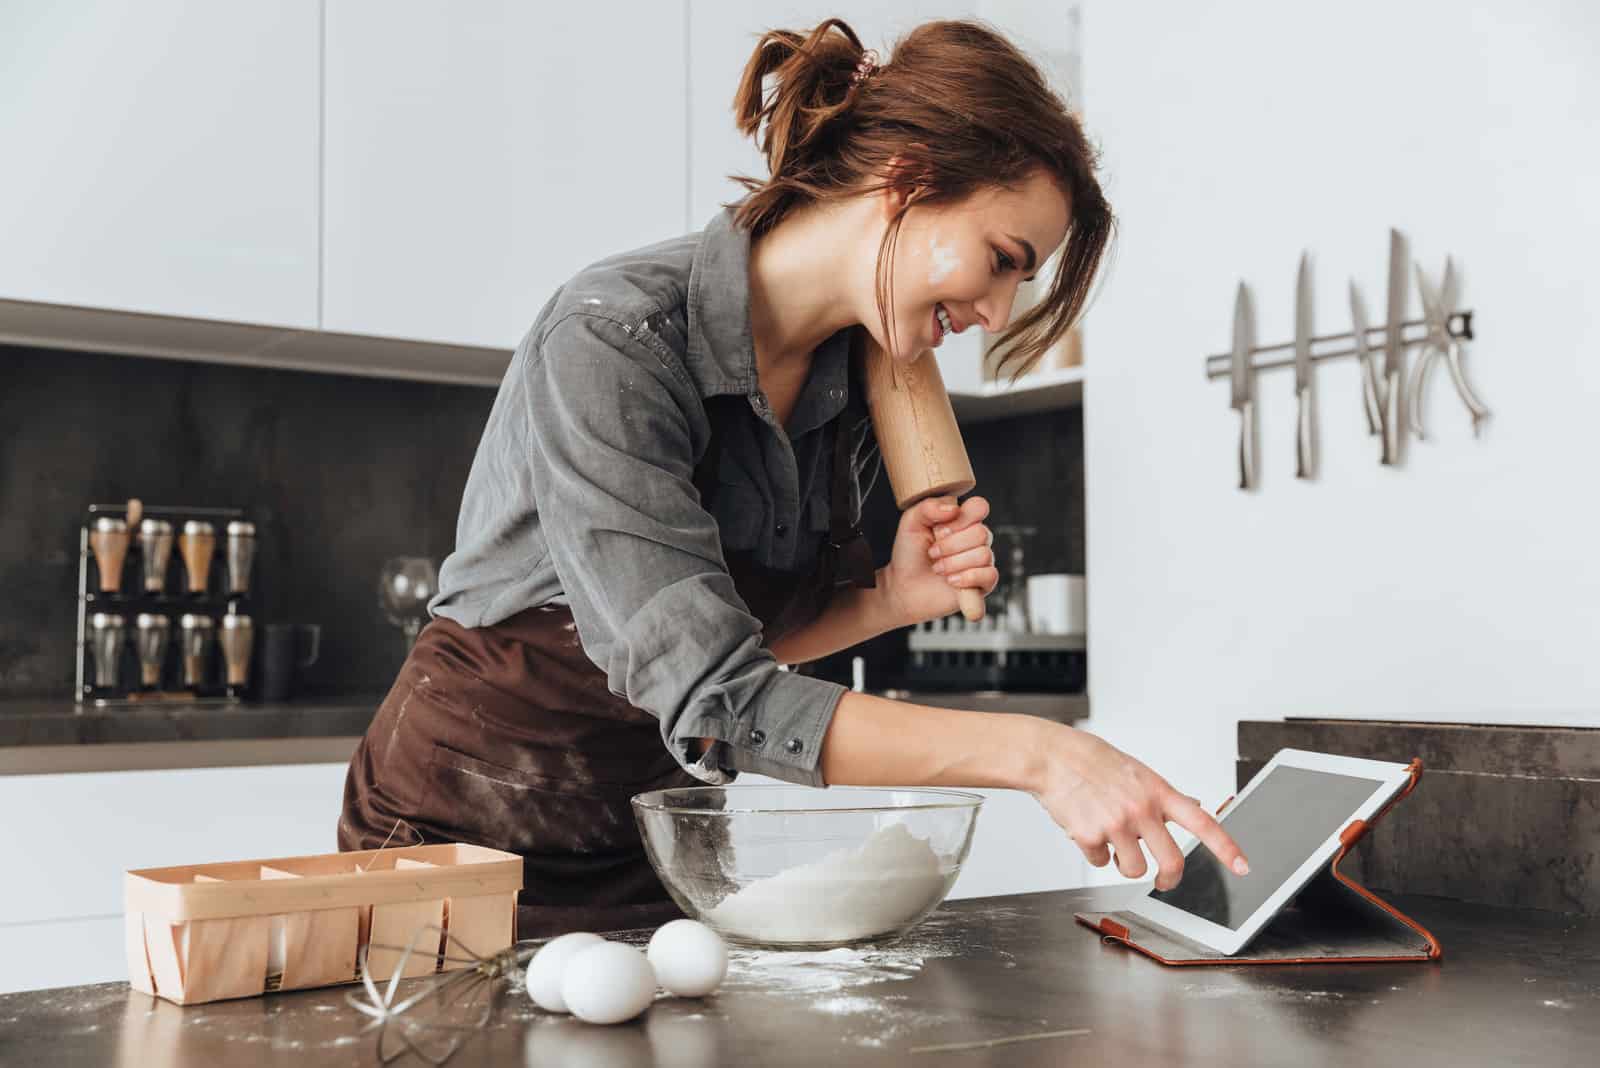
x=51, y=721
x=52, y=735
x=1514, y=987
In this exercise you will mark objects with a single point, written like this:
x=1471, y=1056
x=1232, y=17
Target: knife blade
x=1242, y=378
x=1438, y=336
x=1305, y=461
x=1437, y=307
x=1369, y=374
x=1394, y=352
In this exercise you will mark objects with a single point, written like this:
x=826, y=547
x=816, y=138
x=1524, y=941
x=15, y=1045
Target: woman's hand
x=940, y=549
x=1107, y=801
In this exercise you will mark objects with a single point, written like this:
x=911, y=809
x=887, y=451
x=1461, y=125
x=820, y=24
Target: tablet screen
x=1279, y=825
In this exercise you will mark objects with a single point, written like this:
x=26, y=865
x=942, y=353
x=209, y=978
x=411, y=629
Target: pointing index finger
x=1186, y=813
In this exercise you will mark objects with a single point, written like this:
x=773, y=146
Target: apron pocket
x=526, y=812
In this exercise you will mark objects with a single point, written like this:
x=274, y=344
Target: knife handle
x=1303, y=462
x=1391, y=419
x=1369, y=397
x=1247, y=446
x=1458, y=375
x=1418, y=390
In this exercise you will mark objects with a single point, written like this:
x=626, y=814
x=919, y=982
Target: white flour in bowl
x=850, y=894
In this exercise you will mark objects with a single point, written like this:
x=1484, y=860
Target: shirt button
x=782, y=528
x=760, y=402
x=794, y=745
x=757, y=736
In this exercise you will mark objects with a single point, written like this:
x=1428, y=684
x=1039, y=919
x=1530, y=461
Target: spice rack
x=155, y=632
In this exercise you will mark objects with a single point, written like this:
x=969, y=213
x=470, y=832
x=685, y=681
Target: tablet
x=1287, y=820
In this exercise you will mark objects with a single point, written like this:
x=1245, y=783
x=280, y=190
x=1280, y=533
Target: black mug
x=286, y=650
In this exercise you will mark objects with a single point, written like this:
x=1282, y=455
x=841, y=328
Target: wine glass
x=405, y=586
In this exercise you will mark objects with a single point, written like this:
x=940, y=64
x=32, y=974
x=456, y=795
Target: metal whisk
x=433, y=1022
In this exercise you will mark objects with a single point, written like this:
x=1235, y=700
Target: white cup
x=1056, y=604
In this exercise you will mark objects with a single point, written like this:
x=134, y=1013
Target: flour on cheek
x=941, y=260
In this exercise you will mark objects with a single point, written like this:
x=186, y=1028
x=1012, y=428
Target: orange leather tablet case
x=1332, y=921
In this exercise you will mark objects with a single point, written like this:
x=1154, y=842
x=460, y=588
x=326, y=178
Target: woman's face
x=959, y=266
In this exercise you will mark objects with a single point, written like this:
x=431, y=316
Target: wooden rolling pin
x=917, y=434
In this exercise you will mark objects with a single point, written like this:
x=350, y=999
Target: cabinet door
x=161, y=156
x=722, y=36
x=65, y=857
x=477, y=155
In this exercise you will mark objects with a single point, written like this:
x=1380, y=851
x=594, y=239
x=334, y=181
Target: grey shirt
x=581, y=494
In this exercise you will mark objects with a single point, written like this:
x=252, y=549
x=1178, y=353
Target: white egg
x=608, y=983
x=690, y=958
x=549, y=965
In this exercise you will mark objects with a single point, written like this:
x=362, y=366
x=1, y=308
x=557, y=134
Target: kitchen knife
x=1305, y=460
x=1437, y=307
x=1394, y=350
x=1242, y=378
x=1369, y=374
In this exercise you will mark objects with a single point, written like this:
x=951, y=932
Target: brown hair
x=960, y=108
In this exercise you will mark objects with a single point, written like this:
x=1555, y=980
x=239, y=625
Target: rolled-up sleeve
x=640, y=560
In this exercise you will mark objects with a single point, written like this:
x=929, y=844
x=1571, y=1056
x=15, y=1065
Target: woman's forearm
x=853, y=616
x=874, y=741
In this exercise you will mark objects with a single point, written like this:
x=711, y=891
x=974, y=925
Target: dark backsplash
x=1030, y=469
x=339, y=473
x=1503, y=814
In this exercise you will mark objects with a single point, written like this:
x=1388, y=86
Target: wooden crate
x=204, y=932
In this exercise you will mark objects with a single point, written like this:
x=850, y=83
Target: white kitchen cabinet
x=62, y=889
x=478, y=155
x=161, y=157
x=1018, y=849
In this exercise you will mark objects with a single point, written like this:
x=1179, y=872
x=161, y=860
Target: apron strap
x=846, y=539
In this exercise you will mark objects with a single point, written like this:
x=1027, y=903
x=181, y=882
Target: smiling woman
x=965, y=128
x=665, y=504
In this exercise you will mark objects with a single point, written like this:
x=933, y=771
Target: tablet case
x=1332, y=921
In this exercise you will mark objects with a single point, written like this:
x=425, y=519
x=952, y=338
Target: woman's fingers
x=982, y=556
x=937, y=512
x=1169, y=858
x=1130, y=858
x=976, y=536
x=982, y=579
x=1097, y=853
x=1197, y=821
x=972, y=510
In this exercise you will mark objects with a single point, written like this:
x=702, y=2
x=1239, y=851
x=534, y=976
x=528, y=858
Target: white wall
x=1465, y=586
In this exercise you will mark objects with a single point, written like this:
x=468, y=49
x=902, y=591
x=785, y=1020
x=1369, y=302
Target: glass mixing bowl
x=799, y=868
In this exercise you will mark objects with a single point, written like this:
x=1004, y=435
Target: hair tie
x=866, y=68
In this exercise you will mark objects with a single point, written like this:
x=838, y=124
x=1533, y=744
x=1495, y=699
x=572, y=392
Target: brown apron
x=508, y=736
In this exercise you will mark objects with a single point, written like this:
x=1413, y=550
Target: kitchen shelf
x=1060, y=707
x=61, y=326
x=1041, y=391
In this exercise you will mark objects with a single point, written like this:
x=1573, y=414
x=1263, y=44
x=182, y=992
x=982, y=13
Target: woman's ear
x=905, y=180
